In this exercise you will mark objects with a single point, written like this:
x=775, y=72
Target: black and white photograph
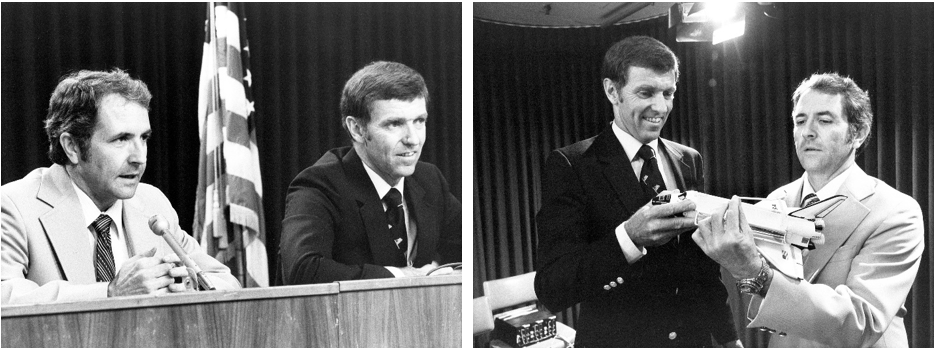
x=611, y=175
x=711, y=174
x=231, y=175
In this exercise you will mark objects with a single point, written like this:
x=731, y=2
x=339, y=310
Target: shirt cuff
x=394, y=270
x=631, y=251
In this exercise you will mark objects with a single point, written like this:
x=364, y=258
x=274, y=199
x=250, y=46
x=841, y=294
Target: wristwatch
x=755, y=285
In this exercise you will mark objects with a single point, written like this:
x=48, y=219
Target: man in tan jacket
x=855, y=282
x=78, y=230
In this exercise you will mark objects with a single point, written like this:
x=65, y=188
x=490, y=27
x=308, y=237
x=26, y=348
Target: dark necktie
x=809, y=200
x=650, y=174
x=396, y=221
x=103, y=256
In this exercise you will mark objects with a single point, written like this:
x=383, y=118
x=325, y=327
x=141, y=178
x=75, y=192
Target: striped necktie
x=396, y=223
x=809, y=200
x=103, y=256
x=650, y=174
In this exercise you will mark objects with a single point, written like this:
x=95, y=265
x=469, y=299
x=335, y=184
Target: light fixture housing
x=707, y=22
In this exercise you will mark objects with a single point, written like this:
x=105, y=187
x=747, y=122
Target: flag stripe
x=232, y=92
x=241, y=193
x=238, y=130
x=239, y=161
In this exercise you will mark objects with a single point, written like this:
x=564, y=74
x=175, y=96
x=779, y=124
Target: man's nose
x=410, y=134
x=809, y=130
x=138, y=152
x=659, y=103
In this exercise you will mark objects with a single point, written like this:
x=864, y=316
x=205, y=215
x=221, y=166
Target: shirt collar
x=631, y=144
x=830, y=188
x=380, y=185
x=91, y=212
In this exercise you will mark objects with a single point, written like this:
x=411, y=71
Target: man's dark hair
x=74, y=106
x=857, y=107
x=380, y=80
x=638, y=51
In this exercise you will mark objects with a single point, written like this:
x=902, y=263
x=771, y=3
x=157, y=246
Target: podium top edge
x=414, y=281
x=113, y=303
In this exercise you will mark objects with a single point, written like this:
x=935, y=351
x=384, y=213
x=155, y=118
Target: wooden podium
x=404, y=312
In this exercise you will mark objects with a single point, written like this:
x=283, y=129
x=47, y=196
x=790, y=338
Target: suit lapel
x=841, y=223
x=677, y=165
x=137, y=232
x=419, y=208
x=371, y=211
x=618, y=171
x=64, y=226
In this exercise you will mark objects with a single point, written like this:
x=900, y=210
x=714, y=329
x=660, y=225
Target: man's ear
x=860, y=137
x=611, y=92
x=70, y=145
x=356, y=129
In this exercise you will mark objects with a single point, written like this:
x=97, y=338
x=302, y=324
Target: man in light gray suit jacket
x=78, y=230
x=855, y=282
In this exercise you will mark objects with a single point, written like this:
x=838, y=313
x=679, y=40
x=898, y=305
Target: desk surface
x=112, y=303
x=404, y=312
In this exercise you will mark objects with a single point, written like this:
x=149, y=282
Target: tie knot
x=102, y=223
x=646, y=152
x=393, y=198
x=809, y=200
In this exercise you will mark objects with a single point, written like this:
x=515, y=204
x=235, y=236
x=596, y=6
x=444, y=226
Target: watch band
x=755, y=285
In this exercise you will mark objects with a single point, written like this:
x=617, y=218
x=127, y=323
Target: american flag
x=229, y=217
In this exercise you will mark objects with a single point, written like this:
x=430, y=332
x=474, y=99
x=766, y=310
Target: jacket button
x=607, y=287
x=621, y=281
x=782, y=334
x=613, y=284
x=673, y=335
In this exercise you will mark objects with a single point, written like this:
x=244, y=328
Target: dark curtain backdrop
x=301, y=56
x=538, y=89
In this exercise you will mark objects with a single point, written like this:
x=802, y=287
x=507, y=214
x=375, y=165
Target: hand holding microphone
x=160, y=226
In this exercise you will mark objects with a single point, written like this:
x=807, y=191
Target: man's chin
x=405, y=171
x=811, y=166
x=127, y=192
x=648, y=136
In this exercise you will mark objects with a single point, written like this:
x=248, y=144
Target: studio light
x=707, y=22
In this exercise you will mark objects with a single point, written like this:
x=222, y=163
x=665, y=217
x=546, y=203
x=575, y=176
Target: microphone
x=160, y=227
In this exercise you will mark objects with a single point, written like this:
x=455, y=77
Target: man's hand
x=655, y=225
x=142, y=274
x=726, y=238
x=182, y=281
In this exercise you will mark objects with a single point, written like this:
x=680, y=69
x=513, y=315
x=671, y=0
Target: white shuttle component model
x=780, y=232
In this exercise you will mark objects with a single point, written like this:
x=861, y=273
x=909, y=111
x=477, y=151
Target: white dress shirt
x=631, y=145
x=116, y=211
x=830, y=188
x=382, y=188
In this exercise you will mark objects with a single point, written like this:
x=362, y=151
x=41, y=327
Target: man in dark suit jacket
x=342, y=222
x=638, y=277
